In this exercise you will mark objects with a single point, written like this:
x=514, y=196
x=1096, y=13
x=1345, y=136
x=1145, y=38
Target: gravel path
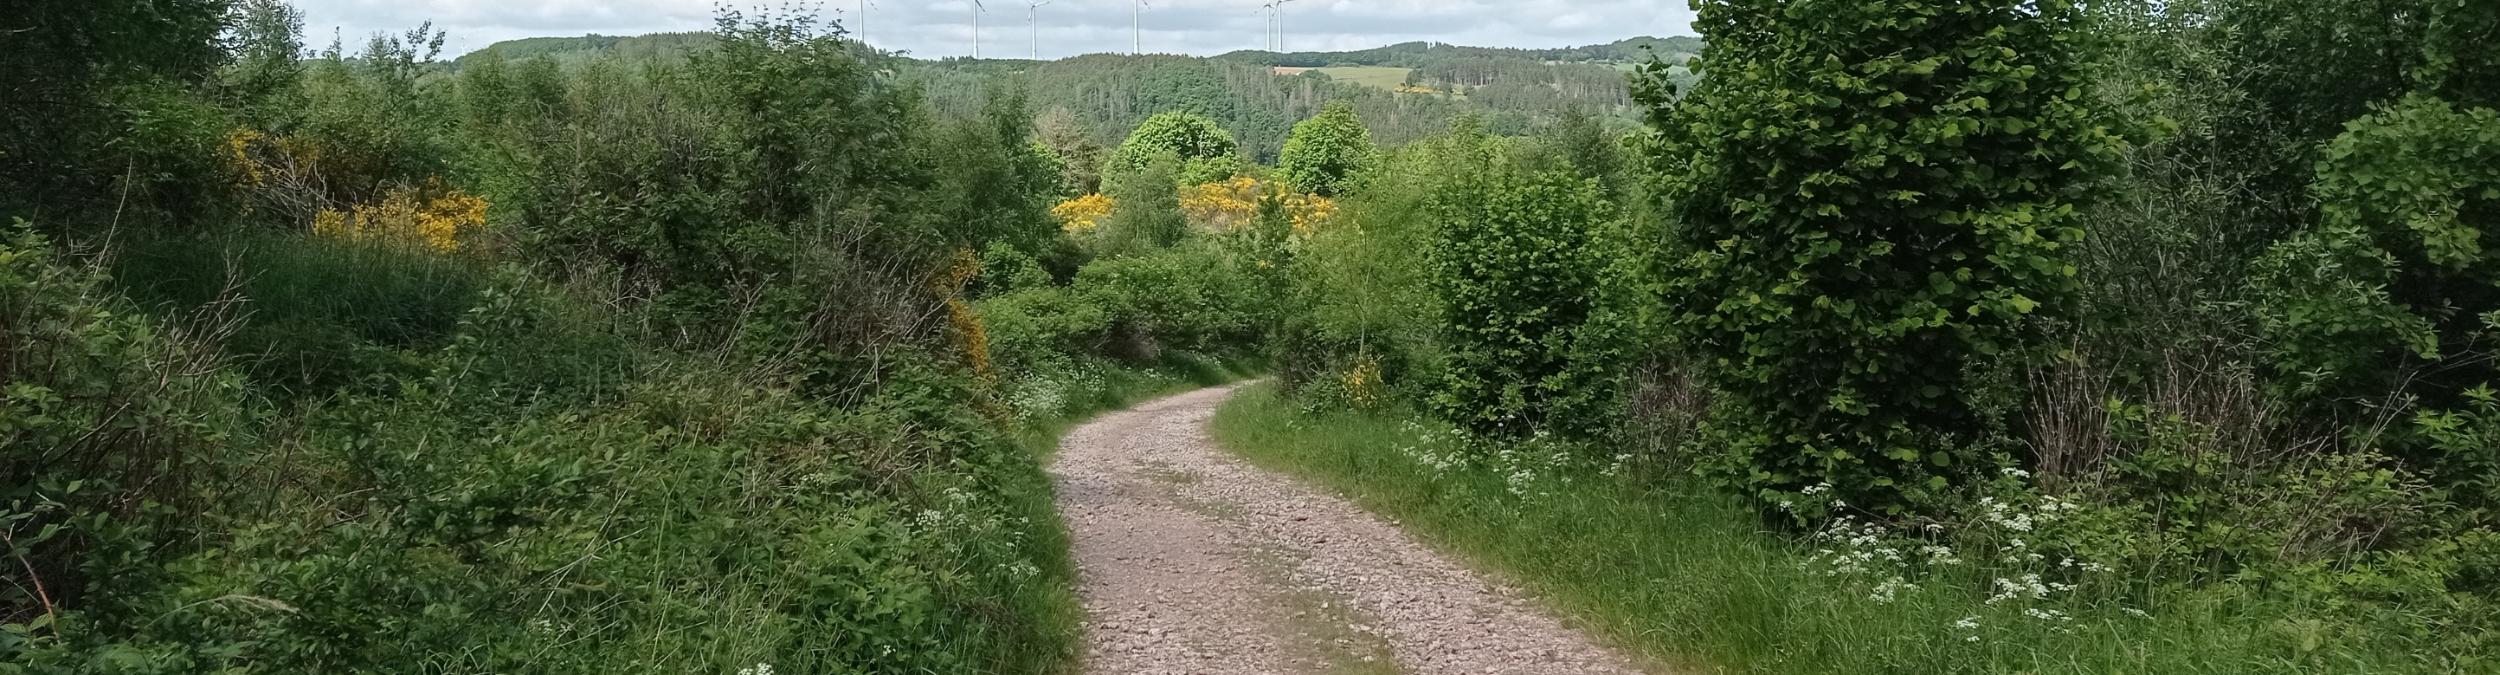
x=1194, y=562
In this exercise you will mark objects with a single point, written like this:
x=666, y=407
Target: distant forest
x=1098, y=98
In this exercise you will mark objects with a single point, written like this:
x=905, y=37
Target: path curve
x=1191, y=561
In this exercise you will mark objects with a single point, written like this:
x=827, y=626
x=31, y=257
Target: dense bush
x=1205, y=152
x=1871, y=215
x=1514, y=264
x=1327, y=152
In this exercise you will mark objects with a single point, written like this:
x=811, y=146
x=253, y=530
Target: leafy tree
x=108, y=90
x=1205, y=152
x=2399, y=271
x=1325, y=153
x=2461, y=52
x=1146, y=215
x=267, y=73
x=1873, y=202
x=1080, y=158
x=1005, y=182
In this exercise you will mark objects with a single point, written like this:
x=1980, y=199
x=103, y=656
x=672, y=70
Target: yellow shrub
x=436, y=217
x=248, y=171
x=1082, y=214
x=1230, y=205
x=1363, y=386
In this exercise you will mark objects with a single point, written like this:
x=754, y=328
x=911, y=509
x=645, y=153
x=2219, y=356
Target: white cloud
x=937, y=28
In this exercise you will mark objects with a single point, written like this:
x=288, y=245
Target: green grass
x=1680, y=575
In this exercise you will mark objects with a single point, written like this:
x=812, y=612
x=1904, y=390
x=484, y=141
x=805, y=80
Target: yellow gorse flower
x=1083, y=214
x=970, y=334
x=1231, y=205
x=1363, y=385
x=435, y=217
x=239, y=153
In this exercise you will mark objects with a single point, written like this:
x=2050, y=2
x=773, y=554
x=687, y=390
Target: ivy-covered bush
x=1872, y=201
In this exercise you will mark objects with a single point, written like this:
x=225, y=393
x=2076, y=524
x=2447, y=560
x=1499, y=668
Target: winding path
x=1192, y=561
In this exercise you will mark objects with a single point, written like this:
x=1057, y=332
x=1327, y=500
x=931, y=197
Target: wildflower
x=757, y=669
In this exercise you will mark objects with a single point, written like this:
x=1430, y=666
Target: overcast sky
x=939, y=28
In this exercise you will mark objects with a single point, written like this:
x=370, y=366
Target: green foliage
x=1193, y=298
x=1326, y=153
x=1007, y=182
x=111, y=431
x=1145, y=213
x=1513, y=263
x=2398, y=269
x=83, y=73
x=1869, y=210
x=1360, y=300
x=324, y=315
x=2459, y=63
x=1205, y=152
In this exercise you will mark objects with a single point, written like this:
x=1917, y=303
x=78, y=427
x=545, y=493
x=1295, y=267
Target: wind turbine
x=1270, y=9
x=977, y=9
x=1033, y=17
x=862, y=30
x=1136, y=44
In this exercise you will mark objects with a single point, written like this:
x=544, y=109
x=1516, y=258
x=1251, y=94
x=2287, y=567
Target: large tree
x=1874, y=201
x=1325, y=152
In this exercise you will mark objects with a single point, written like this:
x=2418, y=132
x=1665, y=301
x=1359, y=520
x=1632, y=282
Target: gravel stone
x=1191, y=561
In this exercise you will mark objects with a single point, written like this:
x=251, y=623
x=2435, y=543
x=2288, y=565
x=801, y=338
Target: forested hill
x=1422, y=54
x=1403, y=91
x=587, y=47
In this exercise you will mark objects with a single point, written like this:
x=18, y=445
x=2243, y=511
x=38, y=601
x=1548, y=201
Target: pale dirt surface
x=1192, y=561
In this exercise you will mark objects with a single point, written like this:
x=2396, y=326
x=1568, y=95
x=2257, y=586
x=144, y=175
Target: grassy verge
x=1683, y=576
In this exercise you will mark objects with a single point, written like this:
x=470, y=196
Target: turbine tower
x=1033, y=18
x=861, y=30
x=1136, y=44
x=977, y=9
x=1269, y=8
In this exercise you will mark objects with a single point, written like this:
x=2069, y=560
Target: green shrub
x=1193, y=298
x=115, y=437
x=316, y=314
x=1326, y=152
x=1513, y=263
x=1873, y=201
x=2397, y=272
x=1205, y=152
x=1146, y=215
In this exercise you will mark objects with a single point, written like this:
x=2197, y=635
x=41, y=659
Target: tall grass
x=1676, y=572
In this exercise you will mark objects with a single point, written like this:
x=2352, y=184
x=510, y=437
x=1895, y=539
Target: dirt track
x=1195, y=562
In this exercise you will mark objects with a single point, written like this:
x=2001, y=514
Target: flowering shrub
x=436, y=217
x=1083, y=214
x=1228, y=206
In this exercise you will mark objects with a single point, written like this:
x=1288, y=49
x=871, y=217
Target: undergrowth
x=1685, y=574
